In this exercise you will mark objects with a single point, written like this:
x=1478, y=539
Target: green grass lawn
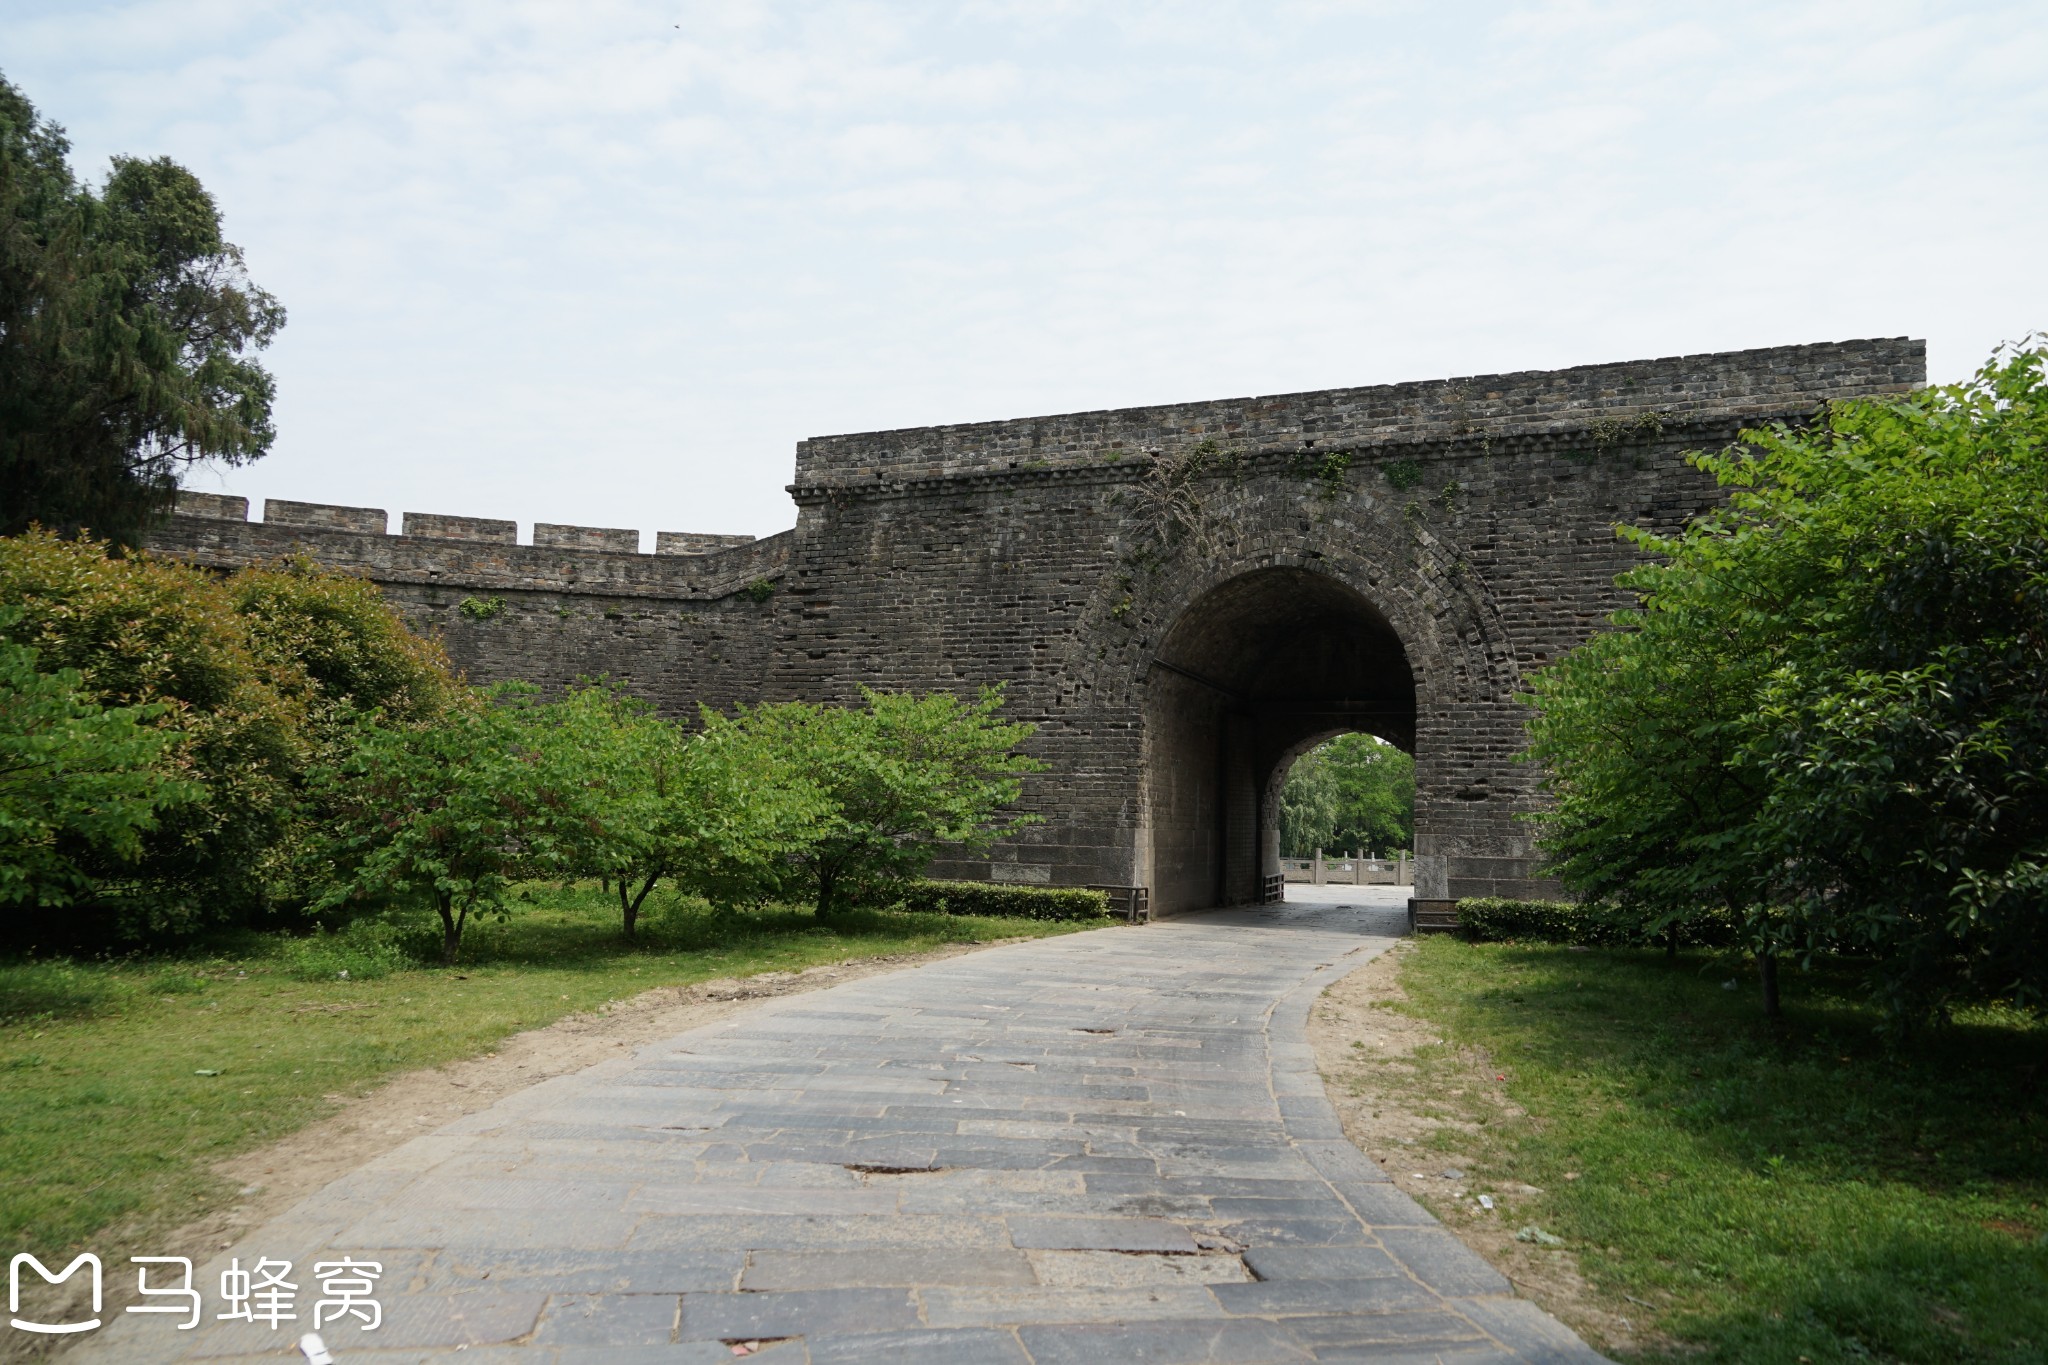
x=1808, y=1196
x=109, y=1123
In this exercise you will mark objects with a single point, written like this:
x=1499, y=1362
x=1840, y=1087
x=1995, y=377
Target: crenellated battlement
x=474, y=552
x=375, y=521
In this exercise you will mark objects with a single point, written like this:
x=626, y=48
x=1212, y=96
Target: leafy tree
x=455, y=810
x=127, y=331
x=901, y=777
x=1643, y=734
x=167, y=637
x=719, y=813
x=1828, y=713
x=1354, y=792
x=252, y=678
x=1308, y=807
x=1903, y=547
x=77, y=781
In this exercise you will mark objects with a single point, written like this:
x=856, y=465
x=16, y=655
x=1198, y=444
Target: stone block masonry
x=586, y=538
x=369, y=521
x=456, y=528
x=1183, y=598
x=693, y=542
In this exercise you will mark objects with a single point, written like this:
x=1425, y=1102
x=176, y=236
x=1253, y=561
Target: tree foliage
x=276, y=738
x=455, y=810
x=902, y=776
x=1354, y=792
x=717, y=813
x=79, y=783
x=128, y=327
x=251, y=678
x=1829, y=712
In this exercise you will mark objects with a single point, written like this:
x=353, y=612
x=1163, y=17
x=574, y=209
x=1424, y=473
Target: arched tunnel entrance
x=1260, y=669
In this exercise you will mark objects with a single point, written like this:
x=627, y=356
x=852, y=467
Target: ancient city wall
x=1181, y=597
x=678, y=626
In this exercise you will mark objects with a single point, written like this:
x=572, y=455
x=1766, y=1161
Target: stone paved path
x=1106, y=1147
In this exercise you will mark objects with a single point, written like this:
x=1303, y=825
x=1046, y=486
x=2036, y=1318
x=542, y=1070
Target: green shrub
x=80, y=784
x=1003, y=900
x=246, y=681
x=361, y=951
x=333, y=644
x=1590, y=923
x=167, y=637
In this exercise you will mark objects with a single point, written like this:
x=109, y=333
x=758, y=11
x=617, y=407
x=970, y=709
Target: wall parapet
x=439, y=527
x=467, y=552
x=1737, y=387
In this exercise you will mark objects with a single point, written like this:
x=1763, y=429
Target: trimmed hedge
x=1003, y=900
x=1492, y=919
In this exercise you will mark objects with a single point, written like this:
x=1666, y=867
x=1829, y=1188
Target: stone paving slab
x=1105, y=1147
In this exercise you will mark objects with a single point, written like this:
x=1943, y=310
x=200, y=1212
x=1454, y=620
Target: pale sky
x=605, y=262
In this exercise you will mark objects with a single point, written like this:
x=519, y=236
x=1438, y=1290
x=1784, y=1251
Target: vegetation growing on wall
x=1402, y=474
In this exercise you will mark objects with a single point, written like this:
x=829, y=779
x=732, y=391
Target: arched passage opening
x=1257, y=671
x=1349, y=794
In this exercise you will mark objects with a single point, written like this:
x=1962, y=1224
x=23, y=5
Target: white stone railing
x=1349, y=870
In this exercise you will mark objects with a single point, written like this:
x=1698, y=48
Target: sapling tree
x=456, y=809
x=718, y=813
x=901, y=777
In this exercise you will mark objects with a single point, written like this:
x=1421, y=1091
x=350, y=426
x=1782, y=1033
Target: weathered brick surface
x=461, y=528
x=615, y=541
x=282, y=512
x=218, y=505
x=693, y=542
x=1393, y=559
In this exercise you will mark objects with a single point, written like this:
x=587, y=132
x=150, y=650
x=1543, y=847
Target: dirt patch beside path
x=1426, y=1127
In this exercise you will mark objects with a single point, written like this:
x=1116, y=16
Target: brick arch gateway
x=1181, y=597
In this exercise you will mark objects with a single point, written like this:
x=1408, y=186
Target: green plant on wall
x=1326, y=467
x=760, y=590
x=481, y=608
x=1172, y=500
x=1611, y=433
x=1403, y=474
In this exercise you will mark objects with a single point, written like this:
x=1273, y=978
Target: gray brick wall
x=1461, y=536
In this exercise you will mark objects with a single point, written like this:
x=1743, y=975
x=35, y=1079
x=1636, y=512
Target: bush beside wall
x=1003, y=900
x=1493, y=919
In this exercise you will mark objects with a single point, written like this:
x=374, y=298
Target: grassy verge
x=1801, y=1197
x=123, y=1082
